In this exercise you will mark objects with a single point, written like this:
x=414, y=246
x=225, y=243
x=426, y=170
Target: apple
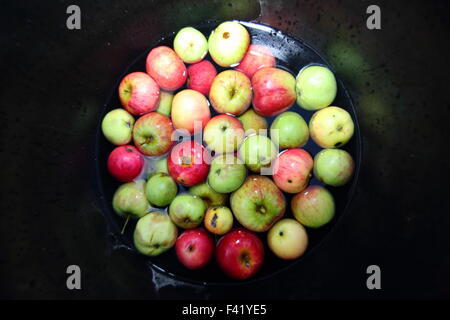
x=331, y=127
x=201, y=76
x=165, y=103
x=315, y=87
x=166, y=68
x=218, y=220
x=258, y=203
x=187, y=211
x=334, y=167
x=188, y=163
x=257, y=57
x=138, y=93
x=240, y=254
x=190, y=108
x=190, y=45
x=313, y=207
x=125, y=163
x=273, y=91
x=209, y=195
x=287, y=239
x=160, y=189
x=129, y=200
x=223, y=134
x=154, y=234
x=231, y=92
x=152, y=134
x=289, y=130
x=292, y=170
x=227, y=173
x=117, y=127
x=252, y=122
x=257, y=152
x=160, y=165
x=194, y=248
x=228, y=43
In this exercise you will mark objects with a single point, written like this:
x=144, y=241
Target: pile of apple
x=230, y=181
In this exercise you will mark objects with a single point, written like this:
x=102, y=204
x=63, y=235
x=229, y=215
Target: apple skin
x=130, y=200
x=228, y=43
x=189, y=107
x=152, y=134
x=334, y=167
x=125, y=163
x=252, y=122
x=331, y=127
x=227, y=173
x=138, y=93
x=257, y=152
x=154, y=234
x=190, y=45
x=316, y=87
x=287, y=239
x=273, y=91
x=223, y=133
x=194, y=248
x=160, y=189
x=257, y=57
x=292, y=170
x=165, y=103
x=313, y=207
x=188, y=163
x=209, y=195
x=166, y=68
x=117, y=127
x=218, y=220
x=258, y=203
x=187, y=211
x=201, y=76
x=292, y=131
x=231, y=92
x=240, y=254
x=161, y=165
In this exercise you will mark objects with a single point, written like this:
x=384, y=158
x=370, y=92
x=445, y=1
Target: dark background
x=54, y=83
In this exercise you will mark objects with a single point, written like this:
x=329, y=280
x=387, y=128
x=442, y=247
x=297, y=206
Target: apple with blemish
x=187, y=211
x=223, y=134
x=129, y=200
x=117, y=127
x=201, y=76
x=252, y=122
x=125, y=163
x=166, y=68
x=287, y=239
x=257, y=57
x=218, y=220
x=190, y=45
x=334, y=167
x=209, y=195
x=257, y=152
x=138, y=93
x=190, y=110
x=194, y=248
x=292, y=170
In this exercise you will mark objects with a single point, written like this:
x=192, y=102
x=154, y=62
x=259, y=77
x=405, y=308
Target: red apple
x=273, y=91
x=190, y=110
x=138, y=93
x=292, y=170
x=201, y=76
x=125, y=163
x=257, y=57
x=167, y=68
x=240, y=254
x=188, y=163
x=223, y=133
x=194, y=248
x=152, y=134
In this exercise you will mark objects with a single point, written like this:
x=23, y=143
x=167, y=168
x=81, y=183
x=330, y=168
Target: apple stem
x=125, y=224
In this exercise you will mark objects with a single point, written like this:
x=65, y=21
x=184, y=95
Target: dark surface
x=54, y=85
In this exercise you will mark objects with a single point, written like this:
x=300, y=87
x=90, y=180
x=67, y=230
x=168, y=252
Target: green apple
x=252, y=122
x=334, y=167
x=187, y=211
x=117, y=126
x=228, y=43
x=287, y=239
x=227, y=173
x=257, y=152
x=315, y=87
x=313, y=207
x=289, y=130
x=190, y=45
x=161, y=189
x=161, y=165
x=165, y=103
x=218, y=220
x=331, y=127
x=154, y=234
x=208, y=195
x=129, y=200
x=258, y=203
